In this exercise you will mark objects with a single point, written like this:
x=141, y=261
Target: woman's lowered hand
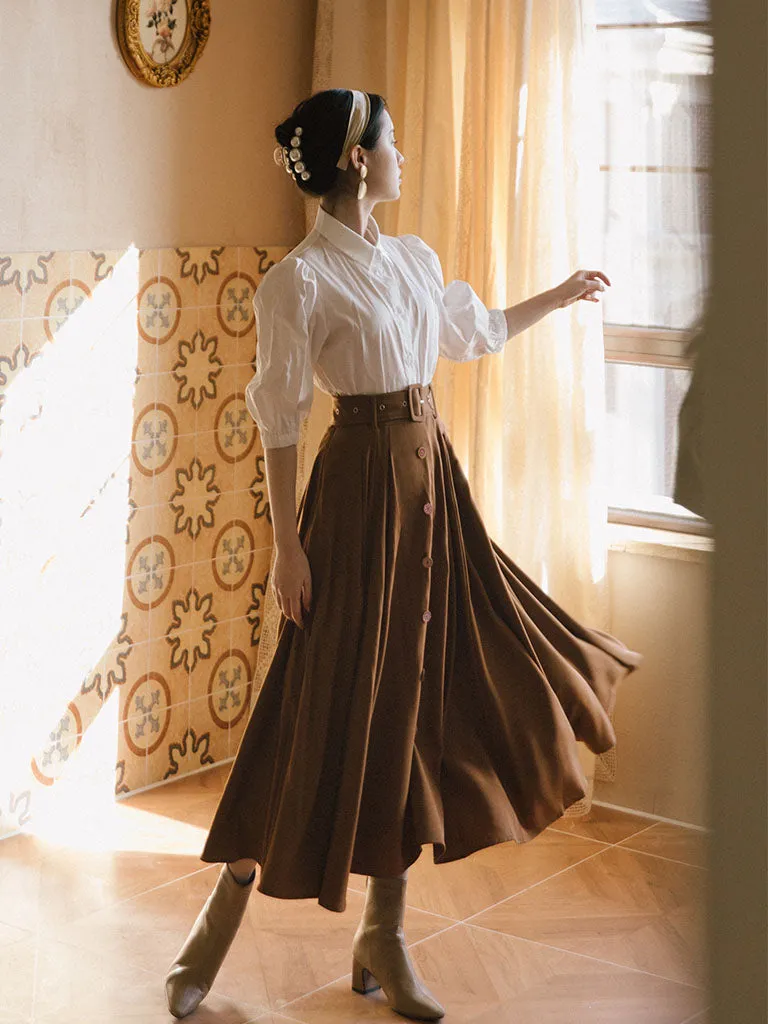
x=292, y=582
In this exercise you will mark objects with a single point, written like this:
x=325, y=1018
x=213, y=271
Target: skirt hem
x=282, y=893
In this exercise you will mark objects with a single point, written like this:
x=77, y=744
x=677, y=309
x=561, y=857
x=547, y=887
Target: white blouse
x=357, y=315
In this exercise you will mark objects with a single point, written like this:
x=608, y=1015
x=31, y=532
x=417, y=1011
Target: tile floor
x=597, y=920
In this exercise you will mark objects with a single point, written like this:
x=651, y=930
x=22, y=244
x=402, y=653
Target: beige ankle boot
x=198, y=961
x=380, y=957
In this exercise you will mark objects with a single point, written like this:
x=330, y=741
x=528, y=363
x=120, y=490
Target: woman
x=423, y=688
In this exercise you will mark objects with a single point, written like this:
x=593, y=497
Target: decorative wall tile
x=135, y=591
x=114, y=667
x=169, y=268
x=209, y=454
x=15, y=358
x=208, y=730
x=246, y=355
x=227, y=346
x=155, y=440
x=183, y=331
x=206, y=583
x=178, y=468
x=168, y=757
x=256, y=261
x=163, y=614
x=10, y=338
x=201, y=270
x=170, y=523
x=194, y=622
x=187, y=754
x=234, y=432
x=93, y=267
x=208, y=410
x=140, y=476
x=144, y=394
x=149, y=271
x=244, y=639
x=197, y=367
x=229, y=702
x=178, y=332
x=237, y=728
x=176, y=675
x=35, y=335
x=252, y=598
x=230, y=507
x=159, y=312
x=61, y=303
x=146, y=350
x=13, y=281
x=49, y=761
x=16, y=805
x=234, y=304
x=33, y=277
x=139, y=525
x=130, y=769
x=136, y=666
x=202, y=678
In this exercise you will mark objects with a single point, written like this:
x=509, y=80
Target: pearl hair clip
x=292, y=159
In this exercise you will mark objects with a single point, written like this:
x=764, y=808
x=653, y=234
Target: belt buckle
x=415, y=390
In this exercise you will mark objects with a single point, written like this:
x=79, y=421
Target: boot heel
x=362, y=979
x=380, y=942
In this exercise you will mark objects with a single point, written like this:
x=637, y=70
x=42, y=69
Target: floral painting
x=162, y=39
x=163, y=26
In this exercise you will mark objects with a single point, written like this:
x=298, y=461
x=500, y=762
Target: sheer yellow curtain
x=494, y=103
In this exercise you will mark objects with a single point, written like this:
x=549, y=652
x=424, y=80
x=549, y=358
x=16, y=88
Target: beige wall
x=94, y=158
x=659, y=605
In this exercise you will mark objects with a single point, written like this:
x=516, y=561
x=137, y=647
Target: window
x=655, y=65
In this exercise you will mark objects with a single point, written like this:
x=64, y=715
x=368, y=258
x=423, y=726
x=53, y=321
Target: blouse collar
x=362, y=249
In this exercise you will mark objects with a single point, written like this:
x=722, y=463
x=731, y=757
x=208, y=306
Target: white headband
x=358, y=122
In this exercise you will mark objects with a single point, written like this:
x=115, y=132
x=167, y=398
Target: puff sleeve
x=468, y=329
x=279, y=395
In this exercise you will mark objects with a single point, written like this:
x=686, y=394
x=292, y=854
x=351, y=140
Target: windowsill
x=658, y=543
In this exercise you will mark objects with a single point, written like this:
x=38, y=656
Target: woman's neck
x=352, y=212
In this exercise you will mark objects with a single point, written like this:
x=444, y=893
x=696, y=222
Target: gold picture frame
x=161, y=40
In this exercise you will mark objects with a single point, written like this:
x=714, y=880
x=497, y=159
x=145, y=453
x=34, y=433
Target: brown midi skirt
x=435, y=694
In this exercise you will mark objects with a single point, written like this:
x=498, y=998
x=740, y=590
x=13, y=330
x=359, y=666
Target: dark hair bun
x=323, y=120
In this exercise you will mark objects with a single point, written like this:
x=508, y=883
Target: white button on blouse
x=357, y=315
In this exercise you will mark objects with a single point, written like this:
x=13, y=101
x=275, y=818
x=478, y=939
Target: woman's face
x=384, y=163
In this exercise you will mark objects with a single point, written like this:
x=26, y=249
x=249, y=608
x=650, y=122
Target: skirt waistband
x=409, y=403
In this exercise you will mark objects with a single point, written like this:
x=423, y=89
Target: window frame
x=653, y=346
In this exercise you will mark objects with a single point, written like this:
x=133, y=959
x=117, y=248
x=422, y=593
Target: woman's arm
x=523, y=314
x=281, y=465
x=581, y=285
x=291, y=580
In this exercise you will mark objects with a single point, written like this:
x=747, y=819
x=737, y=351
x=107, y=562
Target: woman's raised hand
x=292, y=582
x=581, y=285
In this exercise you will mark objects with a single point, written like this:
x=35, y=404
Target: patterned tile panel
x=129, y=367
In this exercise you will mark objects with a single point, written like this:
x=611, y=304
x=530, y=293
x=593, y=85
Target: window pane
x=642, y=407
x=633, y=12
x=656, y=155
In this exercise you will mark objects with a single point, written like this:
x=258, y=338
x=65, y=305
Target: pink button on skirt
x=381, y=728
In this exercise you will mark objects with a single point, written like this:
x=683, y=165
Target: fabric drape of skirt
x=436, y=693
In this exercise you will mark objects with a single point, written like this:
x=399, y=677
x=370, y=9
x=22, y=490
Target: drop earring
x=362, y=188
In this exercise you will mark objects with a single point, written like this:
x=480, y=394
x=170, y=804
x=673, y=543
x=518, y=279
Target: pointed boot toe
x=182, y=996
x=406, y=993
x=197, y=963
x=380, y=956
